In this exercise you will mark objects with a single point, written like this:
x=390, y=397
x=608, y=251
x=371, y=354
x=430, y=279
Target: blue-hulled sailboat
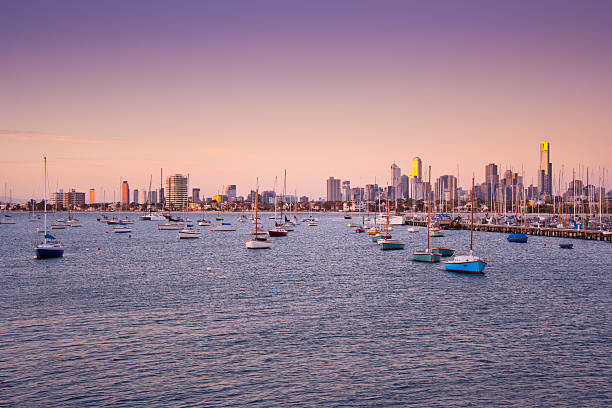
x=49, y=247
x=467, y=263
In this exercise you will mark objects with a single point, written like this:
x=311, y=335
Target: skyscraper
x=92, y=196
x=195, y=195
x=230, y=191
x=415, y=190
x=545, y=171
x=491, y=182
x=396, y=174
x=125, y=194
x=404, y=186
x=370, y=192
x=446, y=189
x=135, y=196
x=176, y=192
x=417, y=169
x=333, y=189
x=346, y=190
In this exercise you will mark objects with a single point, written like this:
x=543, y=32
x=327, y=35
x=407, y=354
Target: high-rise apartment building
x=135, y=196
x=357, y=194
x=404, y=186
x=333, y=189
x=195, y=195
x=176, y=192
x=346, y=190
x=73, y=199
x=396, y=174
x=491, y=184
x=125, y=194
x=153, y=197
x=545, y=171
x=370, y=192
x=92, y=196
x=446, y=189
x=230, y=191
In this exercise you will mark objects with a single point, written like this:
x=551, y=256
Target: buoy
x=544, y=244
x=212, y=230
x=106, y=232
x=209, y=269
x=98, y=249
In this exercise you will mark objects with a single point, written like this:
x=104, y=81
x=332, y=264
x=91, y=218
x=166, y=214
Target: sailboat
x=467, y=263
x=276, y=231
x=33, y=217
x=258, y=241
x=387, y=243
x=519, y=237
x=428, y=255
x=188, y=232
x=49, y=247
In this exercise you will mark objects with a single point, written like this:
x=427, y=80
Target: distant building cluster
x=496, y=189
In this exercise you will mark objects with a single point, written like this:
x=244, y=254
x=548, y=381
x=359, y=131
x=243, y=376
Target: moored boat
x=189, y=233
x=49, y=247
x=467, y=263
x=566, y=246
x=518, y=237
x=259, y=241
x=7, y=219
x=444, y=251
x=122, y=229
x=427, y=255
x=277, y=232
x=387, y=244
x=225, y=226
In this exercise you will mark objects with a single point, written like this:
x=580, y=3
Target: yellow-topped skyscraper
x=545, y=171
x=415, y=177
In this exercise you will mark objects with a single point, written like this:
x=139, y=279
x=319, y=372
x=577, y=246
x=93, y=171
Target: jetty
x=593, y=235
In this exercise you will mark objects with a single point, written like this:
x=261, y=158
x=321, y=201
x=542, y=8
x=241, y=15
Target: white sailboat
x=49, y=247
x=188, y=232
x=258, y=241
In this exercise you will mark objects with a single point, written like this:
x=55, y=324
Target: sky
x=231, y=91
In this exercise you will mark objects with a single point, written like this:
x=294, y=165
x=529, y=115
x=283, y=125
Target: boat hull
x=436, y=234
x=566, y=246
x=518, y=238
x=45, y=253
x=444, y=251
x=392, y=245
x=277, y=233
x=473, y=267
x=430, y=257
x=258, y=244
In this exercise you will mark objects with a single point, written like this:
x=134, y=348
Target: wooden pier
x=545, y=232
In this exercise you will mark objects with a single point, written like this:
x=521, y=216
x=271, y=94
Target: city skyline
x=227, y=93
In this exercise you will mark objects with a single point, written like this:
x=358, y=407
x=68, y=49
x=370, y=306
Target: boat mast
x=256, y=202
x=472, y=218
x=45, y=199
x=428, y=206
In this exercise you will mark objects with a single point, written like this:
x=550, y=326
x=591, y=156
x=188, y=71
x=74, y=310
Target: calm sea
x=325, y=318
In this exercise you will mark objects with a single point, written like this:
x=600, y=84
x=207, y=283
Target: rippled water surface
x=325, y=318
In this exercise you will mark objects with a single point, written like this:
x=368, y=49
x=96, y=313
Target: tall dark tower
x=545, y=171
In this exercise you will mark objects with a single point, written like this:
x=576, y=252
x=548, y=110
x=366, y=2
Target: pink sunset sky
x=234, y=90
